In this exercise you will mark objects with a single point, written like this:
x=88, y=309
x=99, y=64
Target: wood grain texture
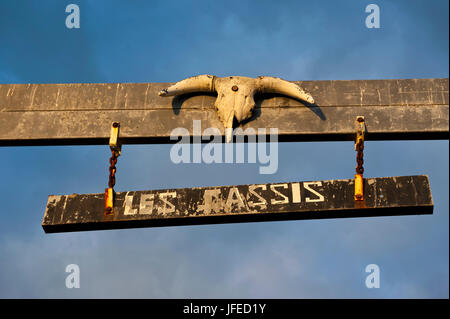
x=68, y=114
x=386, y=196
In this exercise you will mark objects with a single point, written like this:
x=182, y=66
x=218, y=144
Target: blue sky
x=166, y=41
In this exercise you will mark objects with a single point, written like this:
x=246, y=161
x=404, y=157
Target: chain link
x=112, y=168
x=360, y=156
x=360, y=145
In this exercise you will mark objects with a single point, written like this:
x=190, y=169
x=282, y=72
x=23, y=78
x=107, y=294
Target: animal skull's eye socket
x=234, y=88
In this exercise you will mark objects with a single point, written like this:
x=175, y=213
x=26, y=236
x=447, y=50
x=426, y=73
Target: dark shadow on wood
x=318, y=137
x=214, y=220
x=316, y=110
x=313, y=107
x=260, y=97
x=178, y=100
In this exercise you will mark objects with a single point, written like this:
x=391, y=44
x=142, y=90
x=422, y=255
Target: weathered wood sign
x=75, y=114
x=387, y=196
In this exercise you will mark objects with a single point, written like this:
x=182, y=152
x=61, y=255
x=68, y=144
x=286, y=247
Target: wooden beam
x=61, y=114
x=387, y=196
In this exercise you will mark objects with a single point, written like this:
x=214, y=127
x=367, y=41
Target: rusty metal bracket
x=116, y=150
x=359, y=148
x=109, y=201
x=114, y=142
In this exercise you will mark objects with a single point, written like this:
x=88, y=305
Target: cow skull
x=235, y=94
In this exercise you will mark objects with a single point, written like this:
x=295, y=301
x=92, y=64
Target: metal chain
x=112, y=168
x=360, y=157
x=360, y=153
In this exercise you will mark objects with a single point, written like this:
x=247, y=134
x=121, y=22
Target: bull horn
x=199, y=83
x=270, y=84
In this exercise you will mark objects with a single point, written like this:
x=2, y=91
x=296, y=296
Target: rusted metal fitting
x=114, y=143
x=359, y=191
x=109, y=201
